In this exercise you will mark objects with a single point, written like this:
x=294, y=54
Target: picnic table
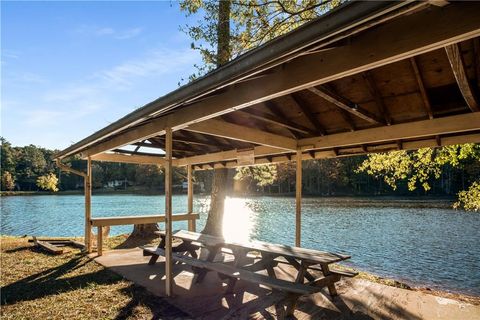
x=268, y=256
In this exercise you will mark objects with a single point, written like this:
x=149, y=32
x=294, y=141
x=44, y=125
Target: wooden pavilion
x=365, y=77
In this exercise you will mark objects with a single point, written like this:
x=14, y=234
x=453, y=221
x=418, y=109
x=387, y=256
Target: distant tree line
x=445, y=172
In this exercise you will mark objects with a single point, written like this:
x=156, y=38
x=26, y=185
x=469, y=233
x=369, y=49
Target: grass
x=37, y=285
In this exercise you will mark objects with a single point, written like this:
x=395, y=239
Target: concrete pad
x=358, y=298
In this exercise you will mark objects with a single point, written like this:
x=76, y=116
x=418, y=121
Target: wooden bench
x=270, y=255
x=101, y=222
x=239, y=273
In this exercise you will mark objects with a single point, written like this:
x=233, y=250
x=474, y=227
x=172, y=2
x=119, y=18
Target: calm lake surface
x=420, y=243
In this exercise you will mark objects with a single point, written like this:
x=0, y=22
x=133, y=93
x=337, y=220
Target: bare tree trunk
x=217, y=203
x=219, y=184
x=146, y=231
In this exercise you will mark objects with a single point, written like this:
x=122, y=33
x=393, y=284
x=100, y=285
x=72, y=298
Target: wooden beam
x=225, y=156
x=141, y=219
x=345, y=104
x=168, y=213
x=421, y=87
x=237, y=132
x=298, y=199
x=389, y=146
x=123, y=158
x=375, y=93
x=410, y=130
x=309, y=115
x=257, y=114
x=274, y=109
x=415, y=34
x=458, y=67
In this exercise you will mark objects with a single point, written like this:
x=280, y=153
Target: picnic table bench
x=303, y=260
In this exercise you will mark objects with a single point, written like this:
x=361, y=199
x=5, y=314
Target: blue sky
x=70, y=68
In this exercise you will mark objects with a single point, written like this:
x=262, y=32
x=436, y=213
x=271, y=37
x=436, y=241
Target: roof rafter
x=369, y=49
x=300, y=103
x=257, y=114
x=274, y=109
x=373, y=89
x=237, y=132
x=421, y=87
x=458, y=67
x=345, y=104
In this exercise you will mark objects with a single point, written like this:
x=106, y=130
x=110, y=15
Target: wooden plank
x=123, y=158
x=312, y=118
x=384, y=147
x=345, y=104
x=298, y=200
x=47, y=246
x=271, y=248
x=88, y=205
x=257, y=114
x=237, y=132
x=191, y=222
x=372, y=87
x=168, y=213
x=367, y=50
x=411, y=130
x=421, y=87
x=458, y=67
x=145, y=219
x=239, y=273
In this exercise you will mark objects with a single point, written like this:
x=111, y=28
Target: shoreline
x=114, y=241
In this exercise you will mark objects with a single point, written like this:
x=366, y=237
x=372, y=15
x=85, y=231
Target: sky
x=70, y=68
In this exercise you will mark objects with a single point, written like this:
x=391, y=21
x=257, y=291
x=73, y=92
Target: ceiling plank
x=370, y=49
x=237, y=132
x=421, y=87
x=274, y=109
x=257, y=114
x=309, y=115
x=345, y=104
x=373, y=89
x=458, y=67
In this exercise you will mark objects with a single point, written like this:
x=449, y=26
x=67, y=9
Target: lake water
x=421, y=243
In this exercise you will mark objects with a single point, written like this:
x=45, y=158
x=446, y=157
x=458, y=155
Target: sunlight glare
x=238, y=220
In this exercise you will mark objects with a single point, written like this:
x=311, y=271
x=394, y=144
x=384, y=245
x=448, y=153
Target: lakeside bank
x=74, y=285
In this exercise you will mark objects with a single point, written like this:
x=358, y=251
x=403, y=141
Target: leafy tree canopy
x=48, y=182
x=252, y=23
x=419, y=167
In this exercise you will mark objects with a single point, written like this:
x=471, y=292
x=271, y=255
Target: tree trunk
x=217, y=203
x=219, y=184
x=146, y=231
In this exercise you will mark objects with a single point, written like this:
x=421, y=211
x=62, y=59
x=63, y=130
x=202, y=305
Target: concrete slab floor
x=357, y=299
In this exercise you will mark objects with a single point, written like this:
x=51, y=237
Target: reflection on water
x=410, y=241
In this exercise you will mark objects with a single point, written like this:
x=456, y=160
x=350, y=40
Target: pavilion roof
x=366, y=77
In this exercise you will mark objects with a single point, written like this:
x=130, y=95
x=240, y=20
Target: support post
x=298, y=199
x=88, y=203
x=168, y=213
x=191, y=222
x=99, y=240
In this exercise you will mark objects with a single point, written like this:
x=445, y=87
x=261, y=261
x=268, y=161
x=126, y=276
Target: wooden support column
x=298, y=200
x=87, y=181
x=168, y=213
x=191, y=222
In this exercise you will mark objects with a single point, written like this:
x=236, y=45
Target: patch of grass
x=37, y=285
